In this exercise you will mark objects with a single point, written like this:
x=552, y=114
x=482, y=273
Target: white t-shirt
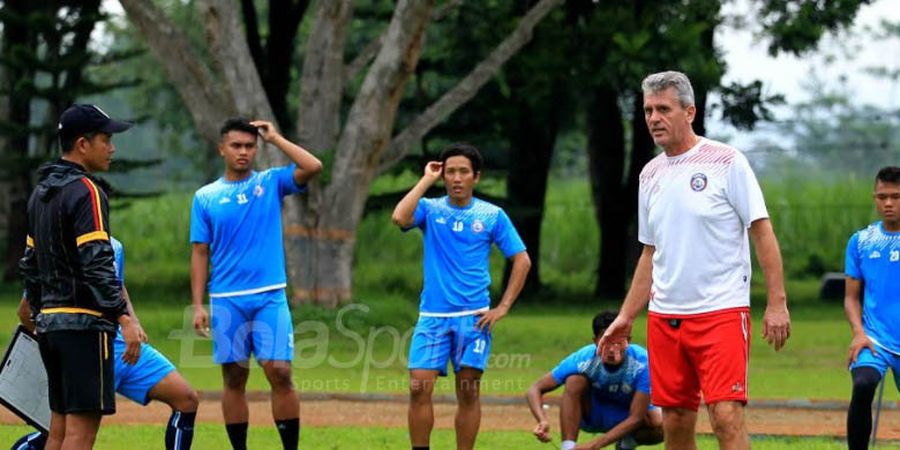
x=695, y=208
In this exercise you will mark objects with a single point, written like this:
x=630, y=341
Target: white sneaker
x=627, y=443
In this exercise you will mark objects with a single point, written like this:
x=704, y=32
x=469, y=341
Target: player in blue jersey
x=152, y=377
x=455, y=318
x=608, y=393
x=872, y=268
x=236, y=238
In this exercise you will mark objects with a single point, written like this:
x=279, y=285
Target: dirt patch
x=391, y=412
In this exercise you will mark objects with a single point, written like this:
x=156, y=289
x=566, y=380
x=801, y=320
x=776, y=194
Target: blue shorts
x=880, y=362
x=603, y=416
x=136, y=381
x=259, y=324
x=437, y=339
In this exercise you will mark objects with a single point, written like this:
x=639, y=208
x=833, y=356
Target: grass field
x=212, y=437
x=361, y=348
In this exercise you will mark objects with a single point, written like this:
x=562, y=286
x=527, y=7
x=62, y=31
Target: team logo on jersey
x=258, y=190
x=224, y=200
x=477, y=226
x=698, y=182
x=875, y=254
x=737, y=387
x=441, y=220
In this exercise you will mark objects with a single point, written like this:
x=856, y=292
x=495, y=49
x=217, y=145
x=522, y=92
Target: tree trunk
x=642, y=151
x=325, y=270
x=320, y=226
x=16, y=167
x=532, y=137
x=606, y=163
x=322, y=82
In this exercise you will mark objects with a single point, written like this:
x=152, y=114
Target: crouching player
x=152, y=377
x=609, y=393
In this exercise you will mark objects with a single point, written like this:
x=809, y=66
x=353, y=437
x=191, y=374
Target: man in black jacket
x=69, y=271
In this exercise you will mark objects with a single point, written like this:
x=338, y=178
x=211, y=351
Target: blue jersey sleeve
x=506, y=237
x=420, y=215
x=570, y=365
x=200, y=226
x=119, y=252
x=642, y=380
x=284, y=176
x=851, y=260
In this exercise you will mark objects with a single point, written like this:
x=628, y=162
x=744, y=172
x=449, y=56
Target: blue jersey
x=457, y=246
x=241, y=222
x=873, y=256
x=615, y=387
x=119, y=259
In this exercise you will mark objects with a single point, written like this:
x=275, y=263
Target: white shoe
x=627, y=443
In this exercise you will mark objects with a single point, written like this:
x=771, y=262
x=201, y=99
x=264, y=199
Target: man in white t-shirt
x=696, y=203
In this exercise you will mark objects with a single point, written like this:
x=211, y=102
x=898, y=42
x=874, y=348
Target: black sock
x=180, y=430
x=289, y=429
x=859, y=415
x=237, y=434
x=421, y=447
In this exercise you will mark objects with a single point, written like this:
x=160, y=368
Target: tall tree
x=44, y=55
x=655, y=35
x=321, y=226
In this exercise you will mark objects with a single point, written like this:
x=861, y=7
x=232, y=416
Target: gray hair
x=661, y=81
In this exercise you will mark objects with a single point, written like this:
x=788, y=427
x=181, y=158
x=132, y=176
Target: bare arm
x=521, y=265
x=636, y=414
x=134, y=317
x=635, y=301
x=199, y=277
x=777, y=319
x=404, y=212
x=24, y=313
x=853, y=310
x=308, y=165
x=535, y=398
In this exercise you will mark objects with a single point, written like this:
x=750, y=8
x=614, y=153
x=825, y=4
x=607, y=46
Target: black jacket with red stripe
x=69, y=265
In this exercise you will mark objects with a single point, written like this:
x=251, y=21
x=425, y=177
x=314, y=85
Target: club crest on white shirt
x=698, y=182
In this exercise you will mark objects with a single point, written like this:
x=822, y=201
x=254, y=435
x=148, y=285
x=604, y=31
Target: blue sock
x=180, y=430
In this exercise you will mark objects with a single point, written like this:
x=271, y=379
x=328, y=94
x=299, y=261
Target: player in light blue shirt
x=872, y=267
x=151, y=377
x=238, y=256
x=609, y=393
x=455, y=319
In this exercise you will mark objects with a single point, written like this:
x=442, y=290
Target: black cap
x=77, y=120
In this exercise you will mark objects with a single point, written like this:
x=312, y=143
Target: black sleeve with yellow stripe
x=90, y=225
x=28, y=269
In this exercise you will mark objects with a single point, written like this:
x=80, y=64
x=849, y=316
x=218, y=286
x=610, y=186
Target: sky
x=748, y=60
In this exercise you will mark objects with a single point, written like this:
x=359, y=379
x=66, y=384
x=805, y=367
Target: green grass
x=815, y=217
x=212, y=437
x=366, y=353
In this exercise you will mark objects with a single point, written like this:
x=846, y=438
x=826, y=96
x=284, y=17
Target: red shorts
x=708, y=353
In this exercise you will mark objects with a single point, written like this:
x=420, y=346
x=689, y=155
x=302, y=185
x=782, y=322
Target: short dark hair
x=602, y=321
x=237, y=124
x=889, y=174
x=67, y=143
x=463, y=149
